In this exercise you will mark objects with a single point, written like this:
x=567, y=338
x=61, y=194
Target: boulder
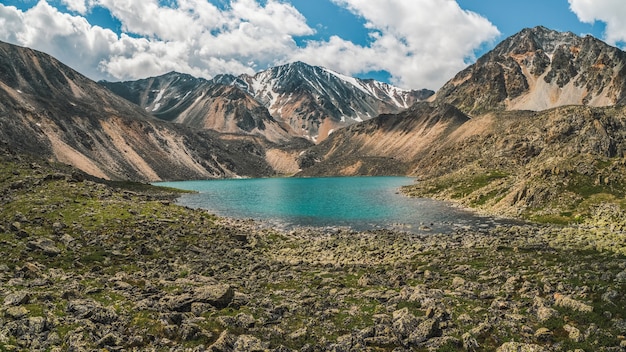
x=46, y=245
x=17, y=298
x=567, y=302
x=219, y=296
x=250, y=344
x=573, y=333
x=426, y=330
x=519, y=347
x=16, y=313
x=404, y=323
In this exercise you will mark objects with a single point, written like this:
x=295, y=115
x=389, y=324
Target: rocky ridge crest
x=50, y=110
x=538, y=69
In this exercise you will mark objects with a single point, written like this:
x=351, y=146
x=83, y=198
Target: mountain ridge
x=471, y=142
x=538, y=69
x=559, y=163
x=50, y=110
x=305, y=101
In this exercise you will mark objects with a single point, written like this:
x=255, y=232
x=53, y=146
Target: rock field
x=91, y=266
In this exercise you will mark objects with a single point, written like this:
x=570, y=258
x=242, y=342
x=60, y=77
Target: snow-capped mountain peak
x=308, y=101
x=314, y=100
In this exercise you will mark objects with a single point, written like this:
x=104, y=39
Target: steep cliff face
x=48, y=109
x=294, y=100
x=539, y=69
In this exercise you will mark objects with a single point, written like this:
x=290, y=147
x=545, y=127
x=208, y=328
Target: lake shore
x=328, y=203
x=89, y=266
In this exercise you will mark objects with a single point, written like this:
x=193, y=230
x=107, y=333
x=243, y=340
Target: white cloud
x=611, y=12
x=76, y=5
x=195, y=37
x=422, y=43
x=70, y=39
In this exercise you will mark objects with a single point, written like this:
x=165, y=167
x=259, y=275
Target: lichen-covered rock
x=219, y=296
x=567, y=302
x=519, y=347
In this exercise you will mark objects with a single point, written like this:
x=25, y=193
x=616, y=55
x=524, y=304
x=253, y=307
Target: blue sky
x=410, y=43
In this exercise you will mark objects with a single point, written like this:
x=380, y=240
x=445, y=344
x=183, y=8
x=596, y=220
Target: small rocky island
x=97, y=265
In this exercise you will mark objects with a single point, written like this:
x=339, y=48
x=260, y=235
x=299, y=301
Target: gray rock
x=543, y=334
x=247, y=343
x=46, y=245
x=469, y=342
x=37, y=325
x=519, y=347
x=224, y=343
x=109, y=340
x=92, y=310
x=610, y=295
x=16, y=226
x=178, y=303
x=241, y=320
x=546, y=313
x=567, y=302
x=573, y=333
x=404, y=323
x=219, y=296
x=17, y=298
x=198, y=308
x=16, y=313
x=621, y=277
x=427, y=329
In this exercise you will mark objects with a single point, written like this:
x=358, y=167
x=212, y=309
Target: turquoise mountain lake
x=360, y=203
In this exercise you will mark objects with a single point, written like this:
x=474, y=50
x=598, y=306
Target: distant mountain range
x=293, y=100
x=538, y=120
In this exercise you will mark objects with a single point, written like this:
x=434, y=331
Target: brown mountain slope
x=539, y=69
x=48, y=109
x=385, y=145
x=201, y=104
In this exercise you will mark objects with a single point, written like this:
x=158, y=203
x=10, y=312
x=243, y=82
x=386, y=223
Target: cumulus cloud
x=69, y=38
x=76, y=5
x=611, y=12
x=422, y=43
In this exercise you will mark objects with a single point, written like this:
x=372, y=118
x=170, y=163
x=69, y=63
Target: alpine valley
x=95, y=259
x=534, y=128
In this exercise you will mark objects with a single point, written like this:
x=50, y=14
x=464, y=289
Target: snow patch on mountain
x=375, y=88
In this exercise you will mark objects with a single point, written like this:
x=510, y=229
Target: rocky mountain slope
x=295, y=99
x=385, y=145
x=538, y=69
x=201, y=104
x=50, y=110
x=557, y=165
